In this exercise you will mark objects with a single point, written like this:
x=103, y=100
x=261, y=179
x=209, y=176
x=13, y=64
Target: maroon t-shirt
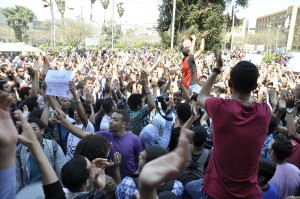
x=239, y=135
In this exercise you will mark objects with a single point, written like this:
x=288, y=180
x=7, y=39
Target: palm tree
x=91, y=16
x=61, y=5
x=18, y=17
x=121, y=10
x=105, y=4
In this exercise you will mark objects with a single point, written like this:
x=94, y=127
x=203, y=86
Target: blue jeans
x=193, y=190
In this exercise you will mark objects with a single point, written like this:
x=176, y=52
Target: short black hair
x=199, y=136
x=31, y=103
x=125, y=115
x=36, y=113
x=37, y=121
x=272, y=125
x=134, y=100
x=266, y=169
x=87, y=109
x=92, y=147
x=184, y=112
x=282, y=148
x=244, y=77
x=25, y=91
x=74, y=173
x=19, y=67
x=178, y=94
x=153, y=152
x=185, y=51
x=107, y=105
x=2, y=82
x=88, y=79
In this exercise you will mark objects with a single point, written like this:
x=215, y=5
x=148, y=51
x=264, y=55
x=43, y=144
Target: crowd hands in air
x=149, y=125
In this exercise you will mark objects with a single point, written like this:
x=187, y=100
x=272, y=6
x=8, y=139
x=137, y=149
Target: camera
x=163, y=98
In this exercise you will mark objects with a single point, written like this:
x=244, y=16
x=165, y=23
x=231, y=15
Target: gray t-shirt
x=192, y=66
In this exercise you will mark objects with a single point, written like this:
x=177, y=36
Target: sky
x=139, y=11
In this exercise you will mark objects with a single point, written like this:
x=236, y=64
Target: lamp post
x=232, y=28
x=173, y=24
x=276, y=45
x=112, y=25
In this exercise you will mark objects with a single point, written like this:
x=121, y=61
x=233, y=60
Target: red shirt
x=186, y=72
x=239, y=135
x=295, y=156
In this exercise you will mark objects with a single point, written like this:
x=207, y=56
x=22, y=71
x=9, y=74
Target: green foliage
x=120, y=9
x=194, y=17
x=137, y=45
x=105, y=3
x=120, y=46
x=269, y=57
x=18, y=18
x=108, y=32
x=42, y=47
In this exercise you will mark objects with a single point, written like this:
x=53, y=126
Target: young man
x=109, y=106
x=189, y=65
x=138, y=112
x=287, y=176
x=240, y=128
x=27, y=171
x=124, y=142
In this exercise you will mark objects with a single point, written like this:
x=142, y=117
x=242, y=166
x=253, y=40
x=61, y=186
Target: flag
x=286, y=23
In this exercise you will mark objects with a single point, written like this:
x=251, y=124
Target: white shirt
x=73, y=140
x=104, y=125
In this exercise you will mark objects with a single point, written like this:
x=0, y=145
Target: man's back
x=239, y=132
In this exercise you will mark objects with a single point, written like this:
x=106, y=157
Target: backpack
x=54, y=147
x=168, y=186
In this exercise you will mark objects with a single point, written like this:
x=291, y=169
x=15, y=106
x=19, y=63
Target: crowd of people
x=150, y=124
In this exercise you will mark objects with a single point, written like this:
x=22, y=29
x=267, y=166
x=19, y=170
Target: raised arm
x=78, y=104
x=160, y=170
x=205, y=91
x=144, y=80
x=292, y=132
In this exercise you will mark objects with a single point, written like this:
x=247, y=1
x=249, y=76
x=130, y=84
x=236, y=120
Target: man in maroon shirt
x=240, y=128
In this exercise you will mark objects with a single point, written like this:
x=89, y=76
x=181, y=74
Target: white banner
x=91, y=41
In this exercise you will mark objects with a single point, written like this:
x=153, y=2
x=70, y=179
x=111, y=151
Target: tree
x=91, y=16
x=108, y=32
x=61, y=5
x=194, y=17
x=121, y=10
x=18, y=18
x=105, y=4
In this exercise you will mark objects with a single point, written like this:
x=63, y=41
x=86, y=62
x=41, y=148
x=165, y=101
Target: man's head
x=87, y=110
x=4, y=86
x=65, y=103
x=149, y=154
x=281, y=149
x=177, y=98
x=89, y=83
x=38, y=127
x=24, y=92
x=199, y=136
x=184, y=112
x=75, y=173
x=266, y=171
x=20, y=71
x=119, y=120
x=135, y=101
x=92, y=147
x=109, y=105
x=186, y=51
x=243, y=77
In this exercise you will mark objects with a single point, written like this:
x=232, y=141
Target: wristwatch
x=289, y=110
x=216, y=70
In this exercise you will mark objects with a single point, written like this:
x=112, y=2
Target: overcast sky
x=140, y=11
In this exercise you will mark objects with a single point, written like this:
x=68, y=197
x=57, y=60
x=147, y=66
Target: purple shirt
x=286, y=179
x=129, y=146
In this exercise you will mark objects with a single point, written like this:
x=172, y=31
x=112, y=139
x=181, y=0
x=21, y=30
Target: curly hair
x=134, y=100
x=92, y=147
x=282, y=148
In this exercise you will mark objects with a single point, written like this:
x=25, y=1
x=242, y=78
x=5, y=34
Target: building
x=286, y=21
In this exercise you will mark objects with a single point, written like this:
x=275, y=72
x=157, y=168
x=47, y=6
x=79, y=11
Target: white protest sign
x=91, y=41
x=58, y=83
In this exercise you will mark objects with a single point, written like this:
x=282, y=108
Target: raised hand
x=217, y=54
